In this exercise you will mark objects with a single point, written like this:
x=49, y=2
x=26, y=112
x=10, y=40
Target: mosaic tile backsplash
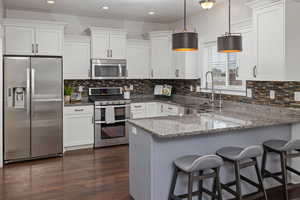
x=284, y=90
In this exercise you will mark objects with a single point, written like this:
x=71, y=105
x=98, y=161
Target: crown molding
x=259, y=4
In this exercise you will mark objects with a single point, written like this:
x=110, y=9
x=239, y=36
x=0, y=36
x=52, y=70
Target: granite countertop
x=233, y=116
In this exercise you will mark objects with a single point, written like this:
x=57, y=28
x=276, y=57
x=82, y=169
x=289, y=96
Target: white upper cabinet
x=19, y=40
x=49, y=41
x=108, y=43
x=161, y=55
x=138, y=59
x=185, y=65
x=276, y=24
x=77, y=57
x=30, y=37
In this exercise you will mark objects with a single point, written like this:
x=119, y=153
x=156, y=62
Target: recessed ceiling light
x=151, y=13
x=105, y=7
x=50, y=2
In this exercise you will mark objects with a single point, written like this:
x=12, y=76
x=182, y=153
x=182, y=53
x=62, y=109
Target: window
x=225, y=68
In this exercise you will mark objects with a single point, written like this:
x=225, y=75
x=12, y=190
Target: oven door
x=109, y=71
x=110, y=134
x=112, y=114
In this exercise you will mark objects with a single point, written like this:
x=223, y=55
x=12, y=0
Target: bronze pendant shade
x=185, y=41
x=230, y=42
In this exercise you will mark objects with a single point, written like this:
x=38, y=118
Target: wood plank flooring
x=100, y=174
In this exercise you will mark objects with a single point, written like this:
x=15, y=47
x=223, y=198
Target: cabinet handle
x=107, y=53
x=92, y=119
x=79, y=110
x=111, y=54
x=255, y=71
x=32, y=48
x=177, y=73
x=237, y=72
x=137, y=106
x=89, y=72
x=152, y=73
x=37, y=48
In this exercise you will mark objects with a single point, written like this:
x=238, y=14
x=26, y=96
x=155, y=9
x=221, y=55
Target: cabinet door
x=152, y=109
x=49, y=42
x=270, y=33
x=76, y=60
x=161, y=58
x=138, y=58
x=117, y=44
x=100, y=45
x=78, y=130
x=247, y=57
x=19, y=40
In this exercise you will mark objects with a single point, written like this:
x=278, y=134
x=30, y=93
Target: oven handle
x=117, y=121
x=115, y=106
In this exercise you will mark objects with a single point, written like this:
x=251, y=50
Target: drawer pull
x=137, y=106
x=79, y=110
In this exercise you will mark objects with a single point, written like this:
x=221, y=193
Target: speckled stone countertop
x=233, y=116
x=79, y=103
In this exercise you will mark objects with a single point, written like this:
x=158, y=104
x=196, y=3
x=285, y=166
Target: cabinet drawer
x=78, y=110
x=138, y=106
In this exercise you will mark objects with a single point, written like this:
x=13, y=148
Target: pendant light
x=230, y=42
x=207, y=4
x=185, y=41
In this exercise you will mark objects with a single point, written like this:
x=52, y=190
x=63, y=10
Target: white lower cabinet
x=153, y=109
x=78, y=127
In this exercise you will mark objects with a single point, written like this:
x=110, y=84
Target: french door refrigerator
x=33, y=103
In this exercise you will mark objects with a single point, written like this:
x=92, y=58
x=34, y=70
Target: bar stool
x=285, y=149
x=242, y=158
x=197, y=168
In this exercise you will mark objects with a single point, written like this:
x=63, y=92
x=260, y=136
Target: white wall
x=78, y=24
x=1, y=87
x=213, y=23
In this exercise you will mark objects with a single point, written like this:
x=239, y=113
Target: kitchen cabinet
x=29, y=37
x=276, y=28
x=161, y=55
x=77, y=58
x=108, y=43
x=153, y=109
x=78, y=127
x=138, y=59
x=185, y=65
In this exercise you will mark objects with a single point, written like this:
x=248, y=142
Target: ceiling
x=165, y=10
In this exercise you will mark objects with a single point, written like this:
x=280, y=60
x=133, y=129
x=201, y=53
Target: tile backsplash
x=284, y=90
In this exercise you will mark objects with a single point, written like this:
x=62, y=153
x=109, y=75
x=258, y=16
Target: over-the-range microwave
x=108, y=69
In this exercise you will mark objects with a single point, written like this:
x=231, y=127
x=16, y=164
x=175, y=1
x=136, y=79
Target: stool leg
x=190, y=186
x=238, y=180
x=200, y=186
x=218, y=184
x=284, y=174
x=173, y=183
x=264, y=161
x=260, y=180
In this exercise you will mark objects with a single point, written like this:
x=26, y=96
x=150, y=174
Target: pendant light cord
x=185, y=15
x=229, y=17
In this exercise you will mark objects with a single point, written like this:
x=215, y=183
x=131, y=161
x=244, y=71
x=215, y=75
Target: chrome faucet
x=212, y=86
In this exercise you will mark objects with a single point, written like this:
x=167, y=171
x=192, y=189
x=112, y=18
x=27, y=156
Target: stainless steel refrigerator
x=33, y=103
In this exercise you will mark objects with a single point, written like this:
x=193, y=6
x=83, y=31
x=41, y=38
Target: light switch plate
x=131, y=87
x=198, y=88
x=192, y=88
x=272, y=94
x=249, y=93
x=297, y=96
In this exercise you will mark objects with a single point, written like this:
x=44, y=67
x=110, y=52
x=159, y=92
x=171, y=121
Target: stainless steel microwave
x=109, y=69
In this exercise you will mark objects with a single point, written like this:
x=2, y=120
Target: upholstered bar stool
x=197, y=168
x=242, y=158
x=285, y=149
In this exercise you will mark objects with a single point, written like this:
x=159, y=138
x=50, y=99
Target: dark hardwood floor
x=100, y=174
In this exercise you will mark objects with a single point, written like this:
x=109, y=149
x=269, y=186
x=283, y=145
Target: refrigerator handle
x=33, y=82
x=28, y=91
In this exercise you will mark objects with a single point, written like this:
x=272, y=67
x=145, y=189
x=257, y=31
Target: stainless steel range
x=111, y=113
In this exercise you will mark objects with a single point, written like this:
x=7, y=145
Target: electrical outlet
x=198, y=88
x=249, y=93
x=297, y=96
x=272, y=94
x=131, y=87
x=191, y=88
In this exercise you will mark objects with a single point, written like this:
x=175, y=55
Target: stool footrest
x=293, y=170
x=250, y=181
x=267, y=174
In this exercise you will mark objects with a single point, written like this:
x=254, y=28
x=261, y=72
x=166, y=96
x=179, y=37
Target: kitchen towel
x=110, y=114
